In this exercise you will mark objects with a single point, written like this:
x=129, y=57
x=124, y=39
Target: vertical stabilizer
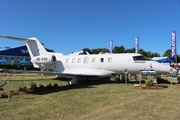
x=34, y=47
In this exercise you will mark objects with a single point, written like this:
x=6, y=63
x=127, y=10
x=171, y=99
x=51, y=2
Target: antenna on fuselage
x=87, y=53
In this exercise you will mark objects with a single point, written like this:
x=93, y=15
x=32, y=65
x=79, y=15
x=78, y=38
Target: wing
x=70, y=72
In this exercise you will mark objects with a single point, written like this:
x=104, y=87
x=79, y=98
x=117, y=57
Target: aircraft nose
x=172, y=70
x=164, y=69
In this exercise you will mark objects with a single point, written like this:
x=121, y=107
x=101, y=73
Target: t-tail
x=39, y=56
x=34, y=47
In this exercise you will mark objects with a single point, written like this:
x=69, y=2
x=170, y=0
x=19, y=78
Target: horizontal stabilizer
x=16, y=38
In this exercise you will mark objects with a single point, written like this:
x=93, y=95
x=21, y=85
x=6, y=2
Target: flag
x=136, y=44
x=173, y=44
x=111, y=46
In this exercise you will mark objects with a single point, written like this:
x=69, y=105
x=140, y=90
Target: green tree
x=149, y=54
x=120, y=49
x=167, y=53
x=131, y=50
x=141, y=51
x=157, y=55
x=98, y=50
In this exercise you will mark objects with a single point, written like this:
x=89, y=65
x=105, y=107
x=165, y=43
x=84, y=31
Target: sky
x=67, y=26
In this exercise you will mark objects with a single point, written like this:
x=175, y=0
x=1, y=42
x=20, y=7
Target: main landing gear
x=73, y=81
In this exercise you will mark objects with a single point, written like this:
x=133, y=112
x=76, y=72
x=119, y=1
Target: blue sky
x=71, y=25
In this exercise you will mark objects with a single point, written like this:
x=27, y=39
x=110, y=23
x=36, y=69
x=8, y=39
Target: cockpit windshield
x=141, y=58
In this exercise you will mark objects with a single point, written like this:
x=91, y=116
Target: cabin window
x=73, y=60
x=67, y=60
x=79, y=60
x=86, y=60
x=110, y=59
x=102, y=60
x=94, y=60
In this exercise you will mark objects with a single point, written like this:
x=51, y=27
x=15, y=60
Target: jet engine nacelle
x=44, y=59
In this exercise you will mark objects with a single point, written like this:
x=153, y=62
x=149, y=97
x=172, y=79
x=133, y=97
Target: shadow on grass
x=162, y=83
x=81, y=84
x=41, y=90
x=89, y=84
x=52, y=89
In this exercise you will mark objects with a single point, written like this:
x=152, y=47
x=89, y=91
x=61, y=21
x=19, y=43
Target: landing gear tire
x=73, y=81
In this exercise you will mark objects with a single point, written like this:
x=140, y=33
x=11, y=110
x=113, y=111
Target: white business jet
x=90, y=65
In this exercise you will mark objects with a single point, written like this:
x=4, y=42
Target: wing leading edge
x=84, y=72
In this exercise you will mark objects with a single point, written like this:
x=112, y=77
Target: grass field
x=94, y=100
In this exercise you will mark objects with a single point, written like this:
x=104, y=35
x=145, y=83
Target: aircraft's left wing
x=83, y=73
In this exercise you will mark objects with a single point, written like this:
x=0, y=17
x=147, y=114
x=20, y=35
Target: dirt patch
x=13, y=93
x=178, y=85
x=37, y=90
x=158, y=87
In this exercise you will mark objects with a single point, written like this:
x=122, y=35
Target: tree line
x=122, y=49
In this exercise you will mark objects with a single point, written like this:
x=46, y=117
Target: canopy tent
x=4, y=60
x=164, y=60
x=24, y=61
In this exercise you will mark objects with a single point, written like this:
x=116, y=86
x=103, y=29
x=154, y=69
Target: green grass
x=89, y=101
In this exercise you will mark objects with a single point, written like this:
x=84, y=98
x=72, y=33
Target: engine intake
x=45, y=59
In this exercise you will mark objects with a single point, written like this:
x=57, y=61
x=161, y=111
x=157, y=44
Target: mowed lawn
x=93, y=100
